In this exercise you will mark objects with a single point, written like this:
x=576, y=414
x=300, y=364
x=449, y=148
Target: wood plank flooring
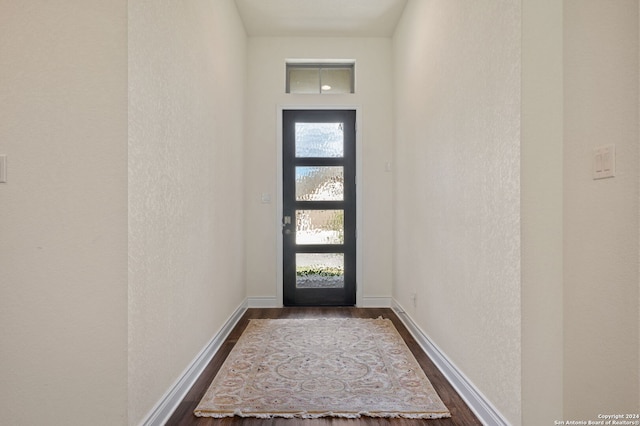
x=461, y=415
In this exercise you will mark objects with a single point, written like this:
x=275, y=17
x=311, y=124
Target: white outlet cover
x=3, y=168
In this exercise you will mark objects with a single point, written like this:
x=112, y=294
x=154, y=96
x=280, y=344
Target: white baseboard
x=263, y=302
x=376, y=302
x=476, y=401
x=165, y=407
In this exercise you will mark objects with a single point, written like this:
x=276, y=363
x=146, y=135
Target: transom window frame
x=319, y=66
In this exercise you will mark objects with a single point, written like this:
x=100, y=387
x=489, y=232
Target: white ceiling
x=320, y=18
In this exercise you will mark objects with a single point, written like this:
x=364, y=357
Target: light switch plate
x=604, y=162
x=3, y=168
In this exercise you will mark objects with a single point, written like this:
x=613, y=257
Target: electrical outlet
x=3, y=168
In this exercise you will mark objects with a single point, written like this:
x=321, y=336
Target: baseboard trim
x=263, y=302
x=376, y=302
x=165, y=407
x=477, y=402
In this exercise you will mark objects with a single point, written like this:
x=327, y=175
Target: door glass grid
x=319, y=208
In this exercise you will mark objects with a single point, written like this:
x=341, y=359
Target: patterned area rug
x=311, y=368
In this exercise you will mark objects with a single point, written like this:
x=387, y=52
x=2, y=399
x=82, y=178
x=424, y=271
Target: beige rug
x=313, y=368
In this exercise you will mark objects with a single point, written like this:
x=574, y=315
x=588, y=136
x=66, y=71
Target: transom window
x=320, y=78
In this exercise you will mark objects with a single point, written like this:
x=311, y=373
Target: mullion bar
x=319, y=205
x=320, y=248
x=318, y=161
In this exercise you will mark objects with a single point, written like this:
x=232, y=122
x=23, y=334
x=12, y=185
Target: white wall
x=601, y=217
x=186, y=100
x=457, y=187
x=266, y=91
x=63, y=212
x=541, y=198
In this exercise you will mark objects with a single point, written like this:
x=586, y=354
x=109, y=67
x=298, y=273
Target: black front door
x=319, y=207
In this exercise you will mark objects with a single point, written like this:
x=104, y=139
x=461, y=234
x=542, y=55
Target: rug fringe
x=238, y=413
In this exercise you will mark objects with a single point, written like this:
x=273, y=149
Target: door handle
x=286, y=221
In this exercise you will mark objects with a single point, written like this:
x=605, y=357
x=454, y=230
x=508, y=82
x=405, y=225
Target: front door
x=319, y=207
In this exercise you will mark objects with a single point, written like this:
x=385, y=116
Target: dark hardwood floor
x=461, y=415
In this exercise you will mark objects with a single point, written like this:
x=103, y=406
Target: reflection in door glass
x=319, y=183
x=319, y=270
x=322, y=140
x=319, y=226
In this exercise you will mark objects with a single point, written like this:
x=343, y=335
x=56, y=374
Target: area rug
x=310, y=368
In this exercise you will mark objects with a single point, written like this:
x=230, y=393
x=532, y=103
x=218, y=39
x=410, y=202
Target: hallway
x=143, y=196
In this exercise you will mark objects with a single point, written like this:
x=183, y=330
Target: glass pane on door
x=319, y=270
x=319, y=183
x=319, y=140
x=319, y=226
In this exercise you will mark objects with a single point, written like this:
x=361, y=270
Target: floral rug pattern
x=309, y=368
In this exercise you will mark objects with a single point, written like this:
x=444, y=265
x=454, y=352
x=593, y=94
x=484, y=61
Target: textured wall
x=541, y=195
x=601, y=217
x=457, y=187
x=63, y=212
x=267, y=58
x=186, y=99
